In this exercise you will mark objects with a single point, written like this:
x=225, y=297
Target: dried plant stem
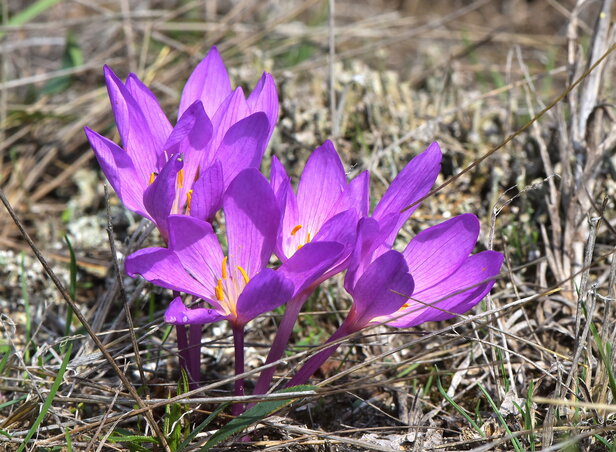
x=131, y=389
x=535, y=118
x=129, y=317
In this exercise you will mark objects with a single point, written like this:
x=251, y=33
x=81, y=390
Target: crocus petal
x=178, y=314
x=137, y=137
x=160, y=196
x=288, y=242
x=368, y=233
x=159, y=125
x=265, y=98
x=278, y=176
x=163, y=268
x=413, y=182
x=265, y=292
x=190, y=136
x=197, y=247
x=119, y=170
x=232, y=110
x=454, y=295
x=341, y=228
x=381, y=290
x=207, y=193
x=309, y=263
x=252, y=217
x=359, y=193
x=243, y=145
x=208, y=83
x=437, y=252
x=322, y=182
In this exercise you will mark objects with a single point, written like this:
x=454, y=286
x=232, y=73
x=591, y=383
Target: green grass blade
x=49, y=400
x=69, y=443
x=199, y=428
x=30, y=13
x=458, y=408
x=72, y=287
x=516, y=444
x=253, y=415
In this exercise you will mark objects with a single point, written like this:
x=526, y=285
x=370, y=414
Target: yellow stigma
x=244, y=274
x=188, y=200
x=224, y=267
x=295, y=229
x=218, y=290
x=152, y=177
x=181, y=178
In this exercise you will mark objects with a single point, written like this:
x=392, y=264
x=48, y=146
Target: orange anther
x=224, y=267
x=244, y=274
x=218, y=291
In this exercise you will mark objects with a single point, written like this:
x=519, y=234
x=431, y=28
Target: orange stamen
x=181, y=178
x=308, y=238
x=188, y=200
x=224, y=267
x=218, y=291
x=295, y=229
x=152, y=177
x=244, y=274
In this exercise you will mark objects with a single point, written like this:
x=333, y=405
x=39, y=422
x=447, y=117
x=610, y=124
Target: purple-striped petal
x=163, y=268
x=197, y=247
x=137, y=137
x=232, y=110
x=368, y=233
x=178, y=314
x=159, y=125
x=265, y=292
x=191, y=137
x=252, y=217
x=243, y=145
x=382, y=289
x=209, y=83
x=278, y=176
x=207, y=193
x=322, y=183
x=265, y=98
x=119, y=170
x=160, y=197
x=309, y=263
x=359, y=193
x=437, y=252
x=341, y=228
x=413, y=182
x=456, y=294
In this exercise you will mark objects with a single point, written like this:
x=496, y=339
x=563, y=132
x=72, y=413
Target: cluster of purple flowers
x=181, y=176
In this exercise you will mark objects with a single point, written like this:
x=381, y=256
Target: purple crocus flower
x=377, y=232
x=166, y=170
x=325, y=209
x=237, y=285
x=446, y=281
